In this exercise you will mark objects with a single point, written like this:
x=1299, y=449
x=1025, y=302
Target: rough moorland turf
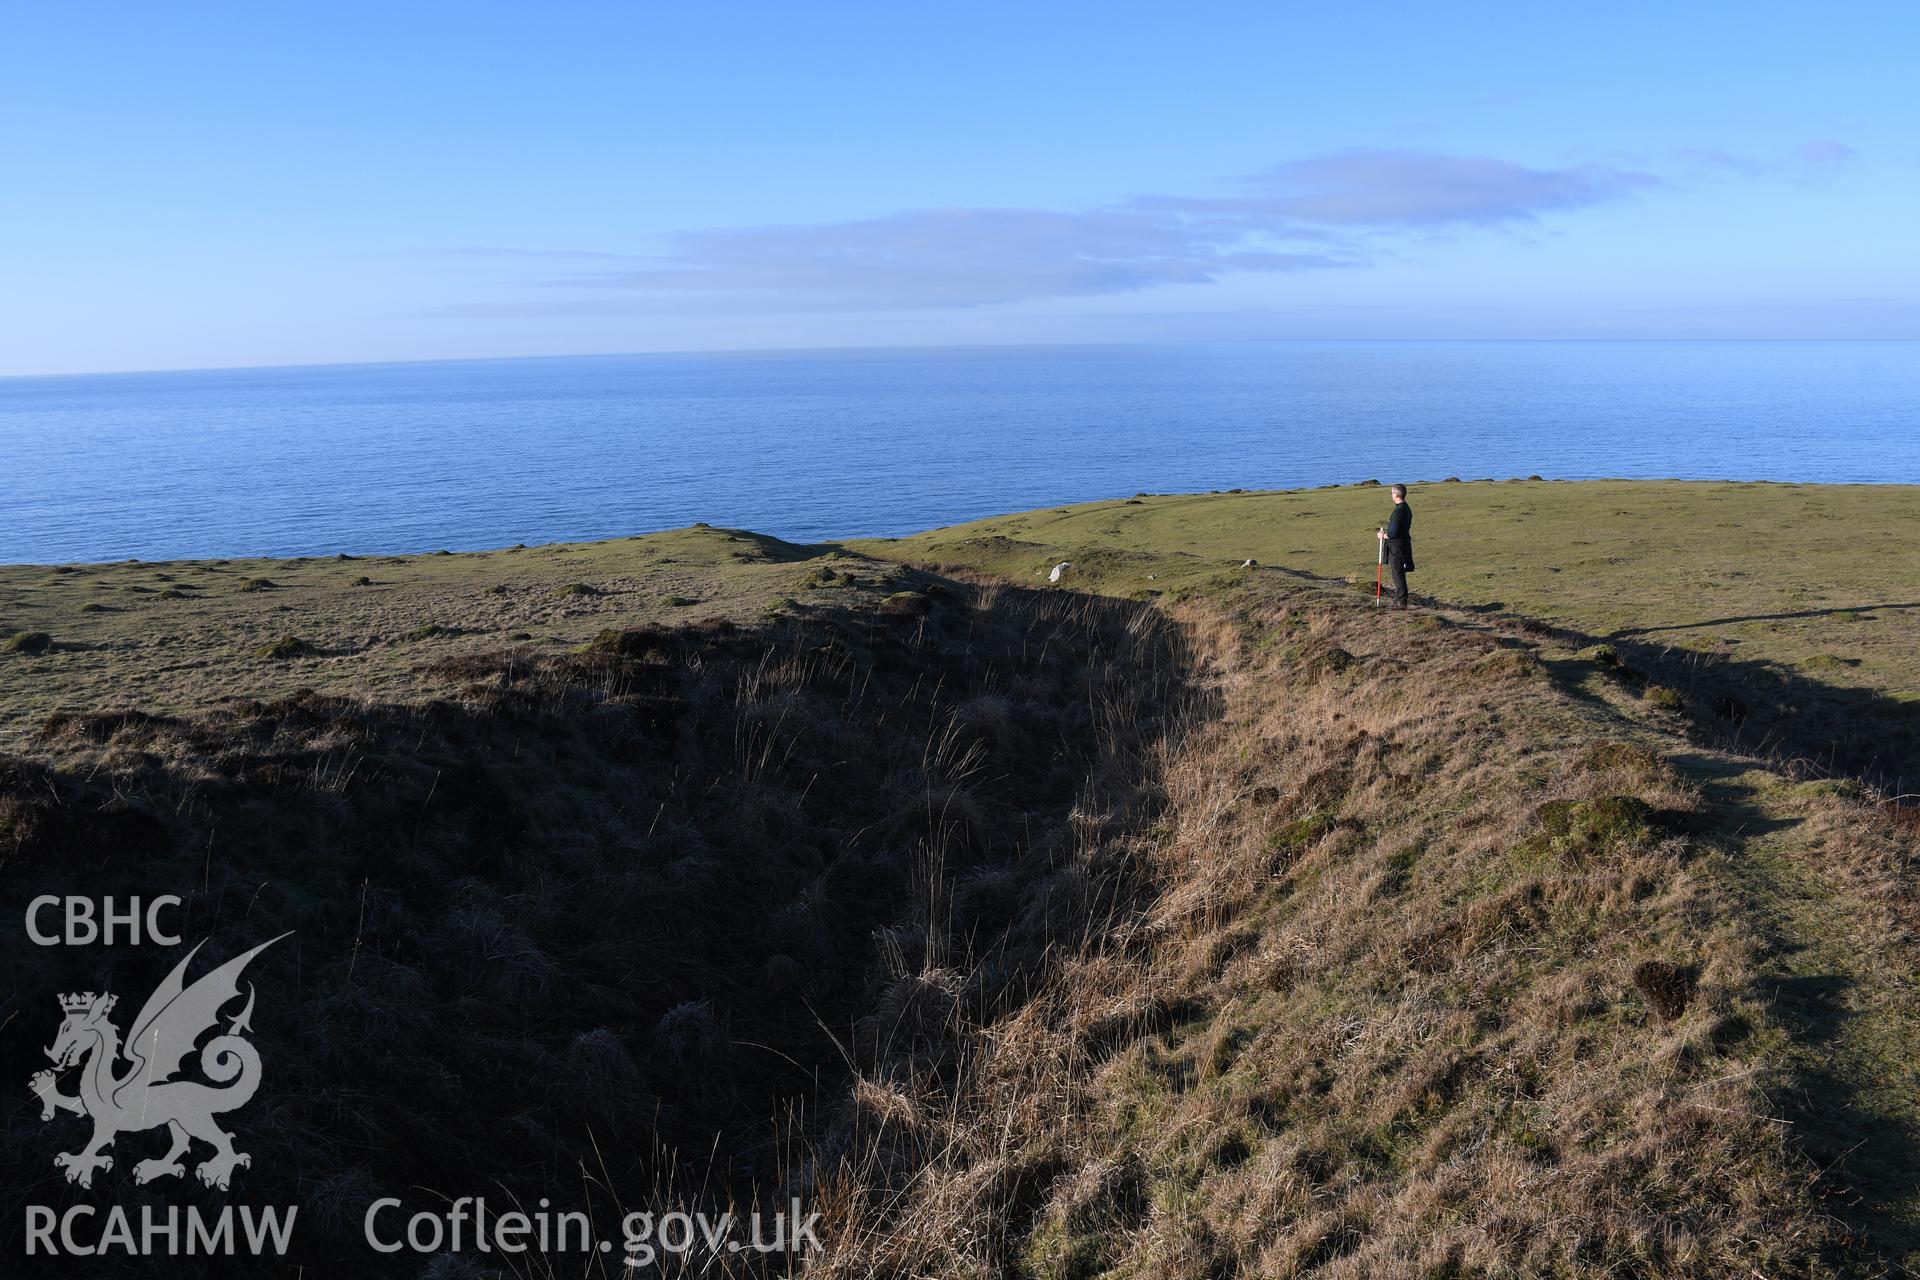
x=1239, y=928
x=190, y=635
x=1435, y=965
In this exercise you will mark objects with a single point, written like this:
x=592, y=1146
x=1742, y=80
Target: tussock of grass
x=1296, y=837
x=1604, y=656
x=1669, y=988
x=284, y=648
x=907, y=604
x=629, y=643
x=28, y=642
x=1662, y=698
x=259, y=584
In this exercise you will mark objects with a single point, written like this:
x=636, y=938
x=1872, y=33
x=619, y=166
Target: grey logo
x=146, y=1094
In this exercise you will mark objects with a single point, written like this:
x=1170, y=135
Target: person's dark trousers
x=1397, y=568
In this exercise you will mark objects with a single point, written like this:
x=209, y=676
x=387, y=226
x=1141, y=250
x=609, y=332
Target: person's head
x=1399, y=493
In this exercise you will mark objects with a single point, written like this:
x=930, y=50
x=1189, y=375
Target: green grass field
x=1820, y=577
x=1784, y=614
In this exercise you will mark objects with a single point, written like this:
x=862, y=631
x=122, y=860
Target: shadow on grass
x=1858, y=609
x=1813, y=728
x=1757, y=707
x=1866, y=1151
x=662, y=895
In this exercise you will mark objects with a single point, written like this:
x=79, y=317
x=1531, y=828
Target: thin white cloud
x=1341, y=210
x=1423, y=189
x=559, y=255
x=1825, y=152
x=936, y=258
x=1814, y=158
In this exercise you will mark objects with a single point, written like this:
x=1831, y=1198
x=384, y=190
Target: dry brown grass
x=1421, y=978
x=1021, y=932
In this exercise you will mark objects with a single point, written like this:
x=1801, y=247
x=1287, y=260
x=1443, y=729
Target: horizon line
x=869, y=348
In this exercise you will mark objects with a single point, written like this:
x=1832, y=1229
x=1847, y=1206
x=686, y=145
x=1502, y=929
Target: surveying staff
x=1398, y=537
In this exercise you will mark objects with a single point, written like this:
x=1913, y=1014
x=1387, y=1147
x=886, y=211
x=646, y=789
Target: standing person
x=1398, y=535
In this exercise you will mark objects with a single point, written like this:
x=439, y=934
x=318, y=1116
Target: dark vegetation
x=1814, y=728
x=1810, y=727
x=608, y=927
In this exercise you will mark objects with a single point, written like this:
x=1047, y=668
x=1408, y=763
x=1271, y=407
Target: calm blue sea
x=469, y=454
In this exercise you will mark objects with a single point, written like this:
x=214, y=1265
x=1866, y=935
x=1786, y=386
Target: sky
x=199, y=185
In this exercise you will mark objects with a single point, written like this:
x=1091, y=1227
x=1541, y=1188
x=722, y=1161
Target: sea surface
x=815, y=445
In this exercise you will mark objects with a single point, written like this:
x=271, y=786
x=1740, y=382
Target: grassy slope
x=1818, y=576
x=1381, y=1015
x=1821, y=882
x=602, y=915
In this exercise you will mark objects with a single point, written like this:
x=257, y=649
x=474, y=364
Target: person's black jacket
x=1400, y=536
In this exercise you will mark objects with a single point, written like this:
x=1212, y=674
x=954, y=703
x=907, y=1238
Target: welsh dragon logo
x=146, y=1095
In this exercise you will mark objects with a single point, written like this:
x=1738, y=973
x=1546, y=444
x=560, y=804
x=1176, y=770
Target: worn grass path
x=1839, y=968
x=1831, y=903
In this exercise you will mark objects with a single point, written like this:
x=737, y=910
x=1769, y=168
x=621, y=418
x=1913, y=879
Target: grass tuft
x=1668, y=988
x=1588, y=828
x=284, y=648
x=1661, y=698
x=907, y=604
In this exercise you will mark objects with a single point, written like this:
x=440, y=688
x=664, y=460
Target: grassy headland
x=1790, y=606
x=184, y=636
x=1207, y=922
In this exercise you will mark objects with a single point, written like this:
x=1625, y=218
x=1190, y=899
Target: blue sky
x=208, y=185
